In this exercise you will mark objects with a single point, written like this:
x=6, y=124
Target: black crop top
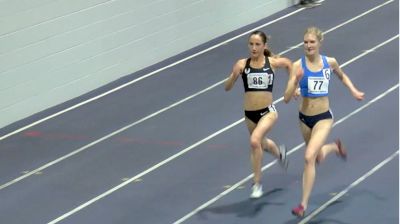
x=258, y=79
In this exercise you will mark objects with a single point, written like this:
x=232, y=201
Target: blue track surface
x=160, y=151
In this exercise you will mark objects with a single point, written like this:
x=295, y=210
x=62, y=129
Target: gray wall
x=54, y=50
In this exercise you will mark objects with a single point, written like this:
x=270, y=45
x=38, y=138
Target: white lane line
x=102, y=139
x=342, y=24
x=119, y=131
x=243, y=181
x=144, y=76
x=371, y=50
x=183, y=60
x=347, y=189
x=130, y=180
x=82, y=206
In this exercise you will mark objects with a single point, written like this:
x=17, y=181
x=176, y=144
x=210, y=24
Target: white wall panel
x=54, y=50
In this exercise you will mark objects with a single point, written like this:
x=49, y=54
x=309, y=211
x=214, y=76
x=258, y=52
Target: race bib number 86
x=259, y=80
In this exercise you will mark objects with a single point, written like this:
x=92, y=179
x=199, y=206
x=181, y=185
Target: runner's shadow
x=247, y=208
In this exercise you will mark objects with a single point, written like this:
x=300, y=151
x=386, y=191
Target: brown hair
x=264, y=38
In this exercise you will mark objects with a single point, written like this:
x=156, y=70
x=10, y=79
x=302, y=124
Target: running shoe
x=257, y=191
x=283, y=160
x=299, y=211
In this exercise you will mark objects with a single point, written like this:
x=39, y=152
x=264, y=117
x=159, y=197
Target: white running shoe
x=283, y=161
x=257, y=191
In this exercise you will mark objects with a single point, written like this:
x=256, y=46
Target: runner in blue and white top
x=313, y=73
x=315, y=84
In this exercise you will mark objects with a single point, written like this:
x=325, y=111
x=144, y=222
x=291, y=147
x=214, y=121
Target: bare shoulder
x=332, y=61
x=241, y=63
x=297, y=63
x=239, y=66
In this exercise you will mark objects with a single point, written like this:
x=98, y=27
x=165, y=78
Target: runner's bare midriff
x=257, y=100
x=313, y=106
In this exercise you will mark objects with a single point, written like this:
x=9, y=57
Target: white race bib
x=318, y=85
x=259, y=80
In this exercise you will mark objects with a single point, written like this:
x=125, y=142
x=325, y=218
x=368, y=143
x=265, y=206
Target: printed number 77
x=316, y=83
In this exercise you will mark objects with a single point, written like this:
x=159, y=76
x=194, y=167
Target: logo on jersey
x=247, y=71
x=327, y=73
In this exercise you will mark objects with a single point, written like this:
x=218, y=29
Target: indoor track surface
x=168, y=145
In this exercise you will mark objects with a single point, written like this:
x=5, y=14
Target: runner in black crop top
x=260, y=113
x=258, y=79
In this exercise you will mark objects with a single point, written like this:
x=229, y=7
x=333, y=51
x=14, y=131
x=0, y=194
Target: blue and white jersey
x=315, y=84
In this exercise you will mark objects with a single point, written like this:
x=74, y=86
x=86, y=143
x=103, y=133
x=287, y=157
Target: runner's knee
x=255, y=143
x=309, y=158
